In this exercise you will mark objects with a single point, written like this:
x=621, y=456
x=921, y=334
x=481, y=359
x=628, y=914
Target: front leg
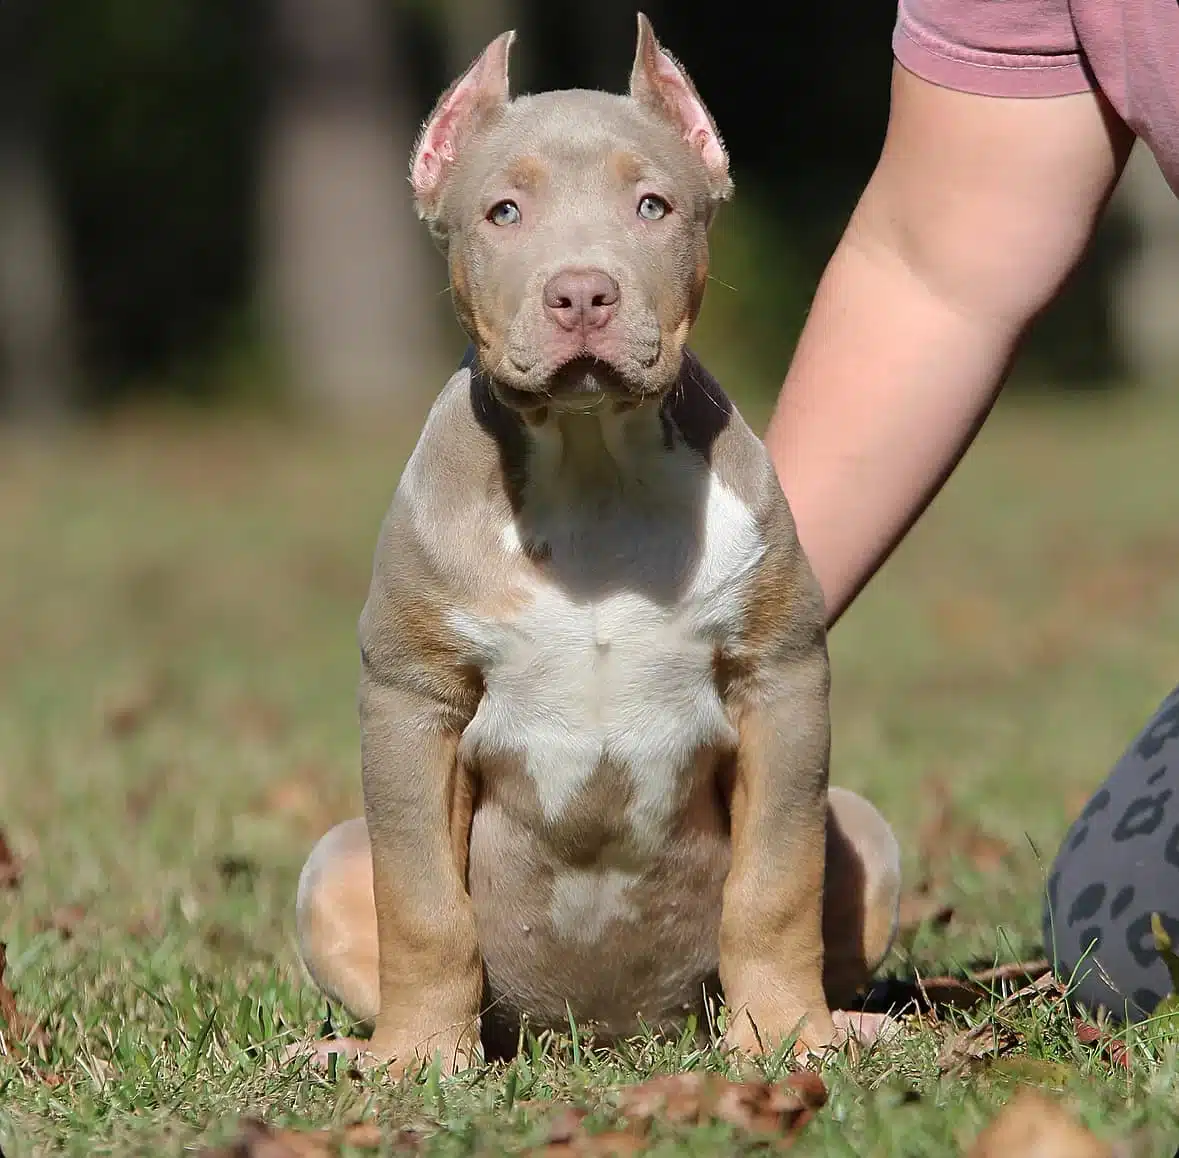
x=417, y=802
x=771, y=936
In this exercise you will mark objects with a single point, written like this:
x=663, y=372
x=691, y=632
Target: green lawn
x=177, y=610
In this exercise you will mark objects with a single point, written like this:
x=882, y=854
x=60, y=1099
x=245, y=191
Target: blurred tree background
x=206, y=199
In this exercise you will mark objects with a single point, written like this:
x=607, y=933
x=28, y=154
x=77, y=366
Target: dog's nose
x=581, y=299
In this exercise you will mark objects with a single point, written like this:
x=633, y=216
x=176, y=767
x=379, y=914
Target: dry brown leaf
x=566, y=1125
x=256, y=1139
x=605, y=1144
x=1108, y=1045
x=20, y=1028
x=1022, y=971
x=967, y=992
x=1033, y=1125
x=567, y=1138
x=362, y=1136
x=991, y=1039
x=994, y=1037
x=10, y=870
x=781, y=1108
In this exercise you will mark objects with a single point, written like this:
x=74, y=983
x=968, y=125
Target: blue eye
x=653, y=208
x=504, y=213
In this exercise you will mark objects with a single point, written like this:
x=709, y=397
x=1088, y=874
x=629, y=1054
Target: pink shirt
x=1129, y=49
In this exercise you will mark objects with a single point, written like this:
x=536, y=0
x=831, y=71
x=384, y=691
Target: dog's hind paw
x=352, y=1050
x=865, y=1028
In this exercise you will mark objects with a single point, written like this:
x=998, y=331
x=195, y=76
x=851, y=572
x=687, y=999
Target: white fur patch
x=732, y=539
x=509, y=539
x=573, y=681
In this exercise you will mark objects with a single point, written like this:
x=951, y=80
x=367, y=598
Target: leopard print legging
x=1117, y=865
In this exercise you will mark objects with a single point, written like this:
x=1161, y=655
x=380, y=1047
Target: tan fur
x=627, y=166
x=593, y=697
x=527, y=173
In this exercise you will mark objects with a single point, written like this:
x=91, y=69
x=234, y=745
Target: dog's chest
x=607, y=657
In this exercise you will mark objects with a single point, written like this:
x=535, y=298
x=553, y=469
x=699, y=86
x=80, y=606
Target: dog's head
x=575, y=225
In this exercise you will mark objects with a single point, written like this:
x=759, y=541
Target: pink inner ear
x=698, y=131
x=437, y=147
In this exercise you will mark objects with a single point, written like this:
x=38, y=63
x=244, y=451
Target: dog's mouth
x=581, y=383
x=585, y=381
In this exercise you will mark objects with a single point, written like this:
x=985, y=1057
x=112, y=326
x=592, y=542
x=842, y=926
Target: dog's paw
x=752, y=1035
x=412, y=1054
x=319, y=1053
x=864, y=1028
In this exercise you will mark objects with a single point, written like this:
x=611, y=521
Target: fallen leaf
x=10, y=870
x=1032, y=1125
x=567, y=1138
x=995, y=1036
x=933, y=995
x=257, y=1139
x=781, y=1108
x=22, y=1029
x=1022, y=971
x=1108, y=1045
x=363, y=1136
x=604, y=1144
x=567, y=1124
x=989, y=1039
x=966, y=992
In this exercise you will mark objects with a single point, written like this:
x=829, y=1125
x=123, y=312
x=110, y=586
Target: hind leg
x=861, y=895
x=336, y=920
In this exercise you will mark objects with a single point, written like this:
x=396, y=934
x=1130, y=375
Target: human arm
x=978, y=210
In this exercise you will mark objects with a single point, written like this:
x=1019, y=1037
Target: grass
x=177, y=663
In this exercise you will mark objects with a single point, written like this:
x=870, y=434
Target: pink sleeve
x=1005, y=48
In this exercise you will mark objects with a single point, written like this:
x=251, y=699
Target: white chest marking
x=619, y=676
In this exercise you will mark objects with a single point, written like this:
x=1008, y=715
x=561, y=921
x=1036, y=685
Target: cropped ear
x=658, y=82
x=479, y=92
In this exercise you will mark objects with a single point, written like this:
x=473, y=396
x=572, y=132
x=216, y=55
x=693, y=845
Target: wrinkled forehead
x=580, y=141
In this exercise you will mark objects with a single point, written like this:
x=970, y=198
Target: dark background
x=148, y=124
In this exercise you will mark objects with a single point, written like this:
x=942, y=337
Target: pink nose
x=581, y=299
